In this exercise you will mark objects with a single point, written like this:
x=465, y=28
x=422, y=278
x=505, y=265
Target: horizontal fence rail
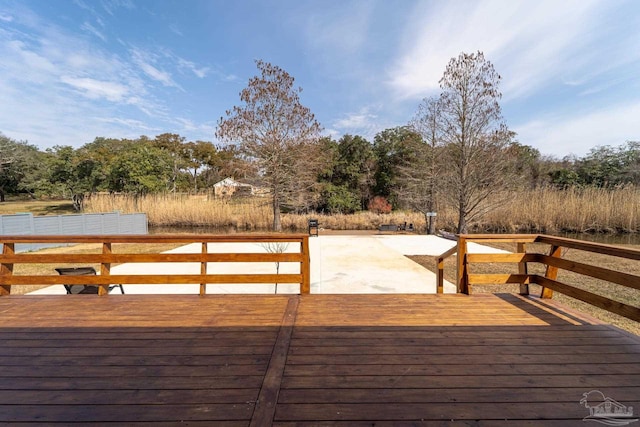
x=552, y=262
x=105, y=257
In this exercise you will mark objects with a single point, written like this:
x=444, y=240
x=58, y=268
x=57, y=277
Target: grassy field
x=37, y=207
x=600, y=287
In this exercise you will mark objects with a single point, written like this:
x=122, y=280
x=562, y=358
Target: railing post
x=552, y=272
x=305, y=266
x=105, y=268
x=440, y=268
x=203, y=270
x=440, y=275
x=462, y=272
x=7, y=269
x=523, y=268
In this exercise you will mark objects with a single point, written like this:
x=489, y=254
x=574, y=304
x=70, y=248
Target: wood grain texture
x=308, y=360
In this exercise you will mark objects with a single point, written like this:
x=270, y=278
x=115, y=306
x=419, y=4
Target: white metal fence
x=101, y=223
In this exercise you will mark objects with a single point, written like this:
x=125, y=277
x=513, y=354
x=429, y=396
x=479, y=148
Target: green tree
x=278, y=133
x=606, y=166
x=393, y=148
x=354, y=167
x=200, y=155
x=75, y=171
x=174, y=145
x=338, y=199
x=630, y=153
x=601, y=167
x=20, y=167
x=528, y=164
x=142, y=168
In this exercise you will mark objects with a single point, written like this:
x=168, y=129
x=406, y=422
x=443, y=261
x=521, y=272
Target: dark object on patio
x=447, y=235
x=313, y=227
x=388, y=227
x=82, y=289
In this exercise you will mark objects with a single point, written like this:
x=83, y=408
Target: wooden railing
x=105, y=257
x=440, y=268
x=552, y=262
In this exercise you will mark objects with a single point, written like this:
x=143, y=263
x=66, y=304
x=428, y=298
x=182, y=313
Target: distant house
x=229, y=187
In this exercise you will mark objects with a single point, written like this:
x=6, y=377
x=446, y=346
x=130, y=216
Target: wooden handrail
x=106, y=257
x=553, y=263
x=440, y=268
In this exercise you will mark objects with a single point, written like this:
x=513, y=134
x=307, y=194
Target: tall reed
x=545, y=210
x=181, y=210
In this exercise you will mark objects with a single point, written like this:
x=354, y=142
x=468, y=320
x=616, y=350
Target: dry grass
x=600, y=287
x=241, y=213
x=185, y=210
x=577, y=210
x=543, y=210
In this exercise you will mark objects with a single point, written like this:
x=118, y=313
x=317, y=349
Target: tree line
x=455, y=151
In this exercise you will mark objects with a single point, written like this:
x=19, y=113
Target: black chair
x=83, y=289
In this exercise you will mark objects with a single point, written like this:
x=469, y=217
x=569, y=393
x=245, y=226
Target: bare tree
x=419, y=177
x=276, y=248
x=475, y=135
x=277, y=132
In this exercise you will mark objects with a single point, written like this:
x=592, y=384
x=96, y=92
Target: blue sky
x=72, y=70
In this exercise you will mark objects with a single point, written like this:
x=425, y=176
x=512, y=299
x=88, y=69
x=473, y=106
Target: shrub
x=341, y=200
x=379, y=205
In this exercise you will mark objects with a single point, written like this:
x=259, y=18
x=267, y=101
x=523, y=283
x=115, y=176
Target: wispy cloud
x=175, y=30
x=365, y=122
x=561, y=134
x=357, y=120
x=140, y=127
x=97, y=89
x=530, y=43
x=110, y=6
x=51, y=77
x=147, y=62
x=83, y=5
x=86, y=26
x=6, y=18
x=201, y=72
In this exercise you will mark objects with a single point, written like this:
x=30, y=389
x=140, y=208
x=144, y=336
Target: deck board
x=312, y=360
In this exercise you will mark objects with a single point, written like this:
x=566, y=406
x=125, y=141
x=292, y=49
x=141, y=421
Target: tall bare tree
x=475, y=135
x=420, y=176
x=277, y=132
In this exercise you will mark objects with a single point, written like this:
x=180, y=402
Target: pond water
x=610, y=239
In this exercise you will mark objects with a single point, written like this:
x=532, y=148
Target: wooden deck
x=309, y=360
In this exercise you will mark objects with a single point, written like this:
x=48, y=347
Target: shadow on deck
x=346, y=360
